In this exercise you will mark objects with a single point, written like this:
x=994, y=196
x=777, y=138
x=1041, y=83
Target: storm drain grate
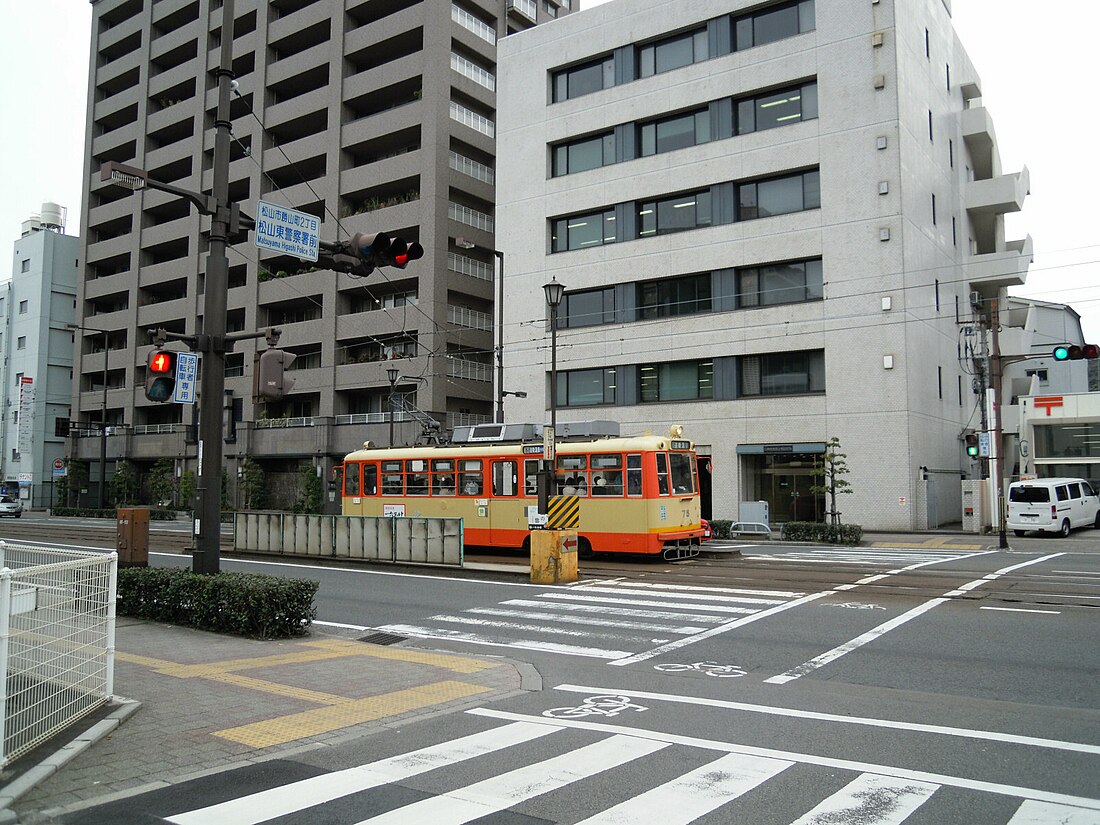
x=382, y=638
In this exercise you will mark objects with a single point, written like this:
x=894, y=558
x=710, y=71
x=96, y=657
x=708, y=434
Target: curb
x=11, y=792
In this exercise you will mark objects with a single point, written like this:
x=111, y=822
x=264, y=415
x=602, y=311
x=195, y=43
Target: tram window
x=607, y=475
x=662, y=474
x=416, y=477
x=392, y=480
x=682, y=482
x=504, y=478
x=351, y=479
x=443, y=484
x=531, y=477
x=370, y=479
x=469, y=478
x=634, y=474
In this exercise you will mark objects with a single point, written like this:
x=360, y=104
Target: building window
x=1040, y=374
x=21, y=342
x=583, y=231
x=588, y=308
x=678, y=381
x=26, y=265
x=583, y=388
x=686, y=295
x=673, y=53
x=551, y=9
x=675, y=214
x=676, y=132
x=22, y=307
x=582, y=155
x=783, y=373
x=781, y=108
x=773, y=24
x=584, y=79
x=783, y=283
x=779, y=196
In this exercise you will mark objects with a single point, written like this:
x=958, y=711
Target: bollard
x=553, y=556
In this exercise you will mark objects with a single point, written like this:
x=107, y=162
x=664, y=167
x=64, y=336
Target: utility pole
x=998, y=452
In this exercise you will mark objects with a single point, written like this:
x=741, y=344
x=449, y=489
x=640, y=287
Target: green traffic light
x=1061, y=353
x=972, y=452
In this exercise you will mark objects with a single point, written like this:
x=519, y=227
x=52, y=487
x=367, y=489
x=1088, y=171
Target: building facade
x=35, y=307
x=373, y=115
x=775, y=224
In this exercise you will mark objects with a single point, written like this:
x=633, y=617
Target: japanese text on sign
x=286, y=230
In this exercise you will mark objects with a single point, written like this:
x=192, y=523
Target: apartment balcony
x=172, y=40
x=391, y=26
x=120, y=31
x=1000, y=269
x=152, y=315
x=981, y=140
x=379, y=322
x=291, y=23
x=996, y=196
x=527, y=10
x=296, y=64
x=113, y=105
x=109, y=248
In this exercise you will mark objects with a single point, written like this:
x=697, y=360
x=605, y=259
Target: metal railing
x=473, y=119
x=468, y=266
x=467, y=68
x=158, y=429
x=471, y=23
x=463, y=164
x=526, y=8
x=470, y=217
x=275, y=423
x=474, y=370
x=57, y=641
x=469, y=318
x=456, y=419
x=372, y=418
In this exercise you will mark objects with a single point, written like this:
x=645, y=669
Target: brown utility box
x=132, y=542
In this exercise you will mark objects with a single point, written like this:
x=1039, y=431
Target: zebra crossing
x=522, y=760
x=873, y=556
x=602, y=619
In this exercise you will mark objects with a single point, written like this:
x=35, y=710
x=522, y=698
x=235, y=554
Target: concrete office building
x=774, y=223
x=377, y=115
x=36, y=374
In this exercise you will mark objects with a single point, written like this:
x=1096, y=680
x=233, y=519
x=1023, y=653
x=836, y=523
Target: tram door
x=507, y=506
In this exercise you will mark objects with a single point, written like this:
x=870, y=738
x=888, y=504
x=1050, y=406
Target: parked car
x=707, y=533
x=1052, y=505
x=10, y=507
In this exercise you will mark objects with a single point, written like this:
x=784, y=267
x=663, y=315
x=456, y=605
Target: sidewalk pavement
x=200, y=703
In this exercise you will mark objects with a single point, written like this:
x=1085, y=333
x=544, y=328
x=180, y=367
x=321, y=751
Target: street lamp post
x=102, y=416
x=554, y=292
x=462, y=243
x=393, y=374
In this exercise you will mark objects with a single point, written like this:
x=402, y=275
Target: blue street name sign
x=286, y=230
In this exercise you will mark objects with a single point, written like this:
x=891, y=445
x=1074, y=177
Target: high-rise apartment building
x=36, y=306
x=373, y=115
x=777, y=223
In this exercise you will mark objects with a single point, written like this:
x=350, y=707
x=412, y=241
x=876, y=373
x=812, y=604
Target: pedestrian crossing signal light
x=972, y=445
x=160, y=375
x=1073, y=352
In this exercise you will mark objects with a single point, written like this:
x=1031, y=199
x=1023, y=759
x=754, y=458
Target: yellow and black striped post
x=564, y=513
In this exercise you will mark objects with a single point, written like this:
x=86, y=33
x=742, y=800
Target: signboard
x=286, y=230
x=187, y=374
x=548, y=443
x=985, y=443
x=535, y=518
x=58, y=467
x=393, y=510
x=26, y=415
x=26, y=479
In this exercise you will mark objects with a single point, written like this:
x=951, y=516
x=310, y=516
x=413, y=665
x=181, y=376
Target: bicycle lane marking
x=854, y=644
x=771, y=611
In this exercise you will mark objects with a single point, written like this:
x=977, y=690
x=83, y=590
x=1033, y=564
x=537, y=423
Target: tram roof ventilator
x=518, y=433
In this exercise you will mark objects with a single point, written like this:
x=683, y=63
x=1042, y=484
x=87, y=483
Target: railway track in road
x=1065, y=585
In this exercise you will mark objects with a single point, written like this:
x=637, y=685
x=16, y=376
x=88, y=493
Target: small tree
x=162, y=483
x=124, y=484
x=253, y=485
x=834, y=465
x=187, y=490
x=70, y=484
x=309, y=491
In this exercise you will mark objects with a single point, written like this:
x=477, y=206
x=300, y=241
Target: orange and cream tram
x=636, y=494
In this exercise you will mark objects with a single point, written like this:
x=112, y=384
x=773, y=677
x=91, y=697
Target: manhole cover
x=381, y=638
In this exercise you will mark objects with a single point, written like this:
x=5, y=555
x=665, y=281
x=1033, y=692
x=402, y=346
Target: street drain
x=381, y=638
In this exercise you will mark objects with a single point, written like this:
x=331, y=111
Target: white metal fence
x=57, y=641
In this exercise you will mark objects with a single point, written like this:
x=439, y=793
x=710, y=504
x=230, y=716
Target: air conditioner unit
x=976, y=299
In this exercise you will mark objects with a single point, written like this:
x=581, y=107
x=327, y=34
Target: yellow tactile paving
x=353, y=712
x=930, y=544
x=289, y=691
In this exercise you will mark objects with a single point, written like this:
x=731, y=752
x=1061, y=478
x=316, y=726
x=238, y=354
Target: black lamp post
x=462, y=243
x=554, y=292
x=103, y=416
x=393, y=373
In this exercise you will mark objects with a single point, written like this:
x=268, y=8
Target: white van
x=1052, y=505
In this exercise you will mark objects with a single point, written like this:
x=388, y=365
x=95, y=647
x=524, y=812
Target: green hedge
x=244, y=604
x=111, y=512
x=824, y=533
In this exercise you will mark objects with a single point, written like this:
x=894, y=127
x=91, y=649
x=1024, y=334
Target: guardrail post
x=5, y=635
x=112, y=593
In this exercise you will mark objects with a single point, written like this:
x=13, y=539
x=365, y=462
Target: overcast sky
x=1035, y=63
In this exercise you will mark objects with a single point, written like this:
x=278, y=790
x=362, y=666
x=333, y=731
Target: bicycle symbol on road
x=708, y=668
x=855, y=606
x=595, y=706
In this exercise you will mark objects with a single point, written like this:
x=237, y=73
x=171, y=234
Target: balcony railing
x=528, y=8
x=473, y=370
x=468, y=266
x=472, y=119
x=455, y=419
x=474, y=24
x=463, y=164
x=469, y=318
x=470, y=217
x=372, y=418
x=467, y=68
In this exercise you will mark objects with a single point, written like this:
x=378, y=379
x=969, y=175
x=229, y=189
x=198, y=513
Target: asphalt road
x=919, y=684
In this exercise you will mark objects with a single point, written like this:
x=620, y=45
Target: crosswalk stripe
x=615, y=611
x=717, y=608
x=297, y=796
x=520, y=644
x=694, y=794
x=559, y=619
x=525, y=628
x=870, y=799
x=1032, y=812
x=703, y=597
x=512, y=788
x=690, y=588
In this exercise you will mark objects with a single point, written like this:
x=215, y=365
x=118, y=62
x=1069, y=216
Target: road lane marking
x=870, y=799
x=1045, y=813
x=519, y=644
x=703, y=597
x=572, y=596
x=858, y=642
x=1021, y=610
x=803, y=758
x=297, y=796
x=889, y=724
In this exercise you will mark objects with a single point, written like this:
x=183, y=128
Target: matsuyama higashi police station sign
x=286, y=230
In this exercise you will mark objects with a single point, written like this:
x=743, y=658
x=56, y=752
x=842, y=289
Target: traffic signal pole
x=211, y=342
